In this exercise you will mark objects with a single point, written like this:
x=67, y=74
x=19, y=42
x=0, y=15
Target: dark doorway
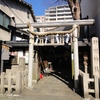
x=60, y=57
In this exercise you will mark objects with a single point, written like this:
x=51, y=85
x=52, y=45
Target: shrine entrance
x=55, y=39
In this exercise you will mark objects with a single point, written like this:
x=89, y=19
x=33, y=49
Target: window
x=1, y=18
x=4, y=20
x=7, y=21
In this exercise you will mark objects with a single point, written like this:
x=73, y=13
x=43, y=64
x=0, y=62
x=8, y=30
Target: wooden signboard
x=5, y=52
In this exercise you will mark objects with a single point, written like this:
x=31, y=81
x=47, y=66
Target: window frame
x=5, y=22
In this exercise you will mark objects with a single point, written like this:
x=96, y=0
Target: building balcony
x=50, y=14
x=51, y=17
x=57, y=17
x=62, y=13
x=63, y=9
x=64, y=16
x=58, y=13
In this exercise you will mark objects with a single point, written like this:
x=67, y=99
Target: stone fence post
x=21, y=64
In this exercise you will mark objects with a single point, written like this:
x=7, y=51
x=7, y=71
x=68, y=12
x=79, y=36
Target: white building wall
x=91, y=8
x=6, y=36
x=18, y=10
x=22, y=14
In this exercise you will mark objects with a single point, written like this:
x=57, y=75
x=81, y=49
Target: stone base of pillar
x=35, y=81
x=30, y=88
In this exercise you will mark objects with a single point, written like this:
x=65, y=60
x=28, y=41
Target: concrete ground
x=47, y=88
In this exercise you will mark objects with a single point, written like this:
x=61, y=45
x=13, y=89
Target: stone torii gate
x=74, y=32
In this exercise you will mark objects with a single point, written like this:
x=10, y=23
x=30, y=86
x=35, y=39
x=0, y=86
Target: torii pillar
x=30, y=59
x=76, y=58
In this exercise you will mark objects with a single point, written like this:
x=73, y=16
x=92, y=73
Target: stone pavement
x=48, y=88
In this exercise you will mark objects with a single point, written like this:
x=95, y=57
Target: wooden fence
x=13, y=82
x=89, y=85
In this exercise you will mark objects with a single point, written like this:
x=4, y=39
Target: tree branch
x=70, y=2
x=75, y=8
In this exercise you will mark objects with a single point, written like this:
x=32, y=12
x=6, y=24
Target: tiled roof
x=27, y=4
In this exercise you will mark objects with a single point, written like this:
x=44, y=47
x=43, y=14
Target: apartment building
x=58, y=13
x=55, y=14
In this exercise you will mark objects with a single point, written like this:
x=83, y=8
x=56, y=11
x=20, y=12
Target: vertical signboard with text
x=95, y=56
